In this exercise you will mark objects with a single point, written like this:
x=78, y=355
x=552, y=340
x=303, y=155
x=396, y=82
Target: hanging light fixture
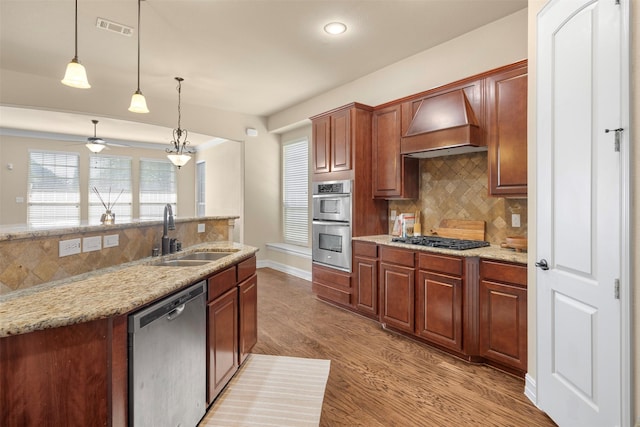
x=138, y=103
x=179, y=154
x=76, y=75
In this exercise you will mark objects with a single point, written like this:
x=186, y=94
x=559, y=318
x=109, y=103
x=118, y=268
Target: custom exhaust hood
x=443, y=125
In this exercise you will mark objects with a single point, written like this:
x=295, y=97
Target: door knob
x=542, y=264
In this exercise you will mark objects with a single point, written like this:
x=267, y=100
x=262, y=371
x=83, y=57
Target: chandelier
x=179, y=154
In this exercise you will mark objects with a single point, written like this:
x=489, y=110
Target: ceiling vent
x=114, y=27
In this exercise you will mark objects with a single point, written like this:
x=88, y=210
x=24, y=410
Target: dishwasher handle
x=175, y=313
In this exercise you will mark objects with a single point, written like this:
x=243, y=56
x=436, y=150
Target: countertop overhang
x=494, y=252
x=108, y=292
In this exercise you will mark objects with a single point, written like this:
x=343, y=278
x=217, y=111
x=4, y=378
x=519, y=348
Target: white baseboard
x=530, y=389
x=302, y=274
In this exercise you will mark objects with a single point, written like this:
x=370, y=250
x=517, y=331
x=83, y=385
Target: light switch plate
x=111, y=240
x=515, y=220
x=90, y=244
x=68, y=247
x=200, y=228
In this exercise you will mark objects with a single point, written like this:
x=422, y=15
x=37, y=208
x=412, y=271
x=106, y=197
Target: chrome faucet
x=169, y=224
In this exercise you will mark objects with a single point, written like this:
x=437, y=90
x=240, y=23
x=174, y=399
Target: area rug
x=272, y=391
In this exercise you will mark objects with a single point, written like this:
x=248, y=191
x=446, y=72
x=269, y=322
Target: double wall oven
x=332, y=202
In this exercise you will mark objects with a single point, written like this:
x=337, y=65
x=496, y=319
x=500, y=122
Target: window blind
x=157, y=188
x=54, y=189
x=296, y=192
x=200, y=188
x=110, y=175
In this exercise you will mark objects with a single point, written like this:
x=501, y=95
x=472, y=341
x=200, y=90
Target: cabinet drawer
x=365, y=249
x=221, y=282
x=397, y=256
x=331, y=293
x=441, y=264
x=246, y=268
x=332, y=278
x=502, y=272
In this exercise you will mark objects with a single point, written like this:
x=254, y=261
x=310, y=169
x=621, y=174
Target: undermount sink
x=208, y=256
x=181, y=263
x=194, y=259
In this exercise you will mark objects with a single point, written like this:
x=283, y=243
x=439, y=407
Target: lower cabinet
x=397, y=278
x=365, y=278
x=332, y=285
x=248, y=316
x=503, y=313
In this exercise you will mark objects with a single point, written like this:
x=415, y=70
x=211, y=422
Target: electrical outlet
x=393, y=215
x=111, y=240
x=200, y=228
x=90, y=244
x=68, y=247
x=515, y=220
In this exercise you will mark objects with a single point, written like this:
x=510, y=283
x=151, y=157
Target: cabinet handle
x=542, y=264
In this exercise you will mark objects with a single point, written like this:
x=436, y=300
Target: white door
x=579, y=212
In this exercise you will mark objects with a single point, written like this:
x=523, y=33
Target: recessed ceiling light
x=335, y=28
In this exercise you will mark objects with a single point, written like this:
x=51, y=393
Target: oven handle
x=336, y=223
x=326, y=196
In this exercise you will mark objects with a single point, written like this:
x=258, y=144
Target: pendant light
x=179, y=154
x=76, y=75
x=138, y=103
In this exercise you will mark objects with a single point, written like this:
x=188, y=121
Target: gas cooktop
x=442, y=242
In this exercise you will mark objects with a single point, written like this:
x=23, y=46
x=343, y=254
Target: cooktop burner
x=442, y=242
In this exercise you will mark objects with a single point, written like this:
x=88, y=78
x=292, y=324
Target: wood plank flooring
x=380, y=379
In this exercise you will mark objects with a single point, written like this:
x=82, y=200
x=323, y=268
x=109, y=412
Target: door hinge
x=616, y=288
x=618, y=133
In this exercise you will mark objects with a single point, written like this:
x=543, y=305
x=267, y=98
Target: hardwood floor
x=378, y=378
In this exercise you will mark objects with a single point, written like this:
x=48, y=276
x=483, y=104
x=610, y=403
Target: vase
x=108, y=218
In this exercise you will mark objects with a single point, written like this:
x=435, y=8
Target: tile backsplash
x=456, y=187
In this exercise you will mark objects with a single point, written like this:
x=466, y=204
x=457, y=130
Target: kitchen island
x=64, y=344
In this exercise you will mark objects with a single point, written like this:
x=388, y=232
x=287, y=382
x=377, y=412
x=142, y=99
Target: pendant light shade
x=179, y=154
x=76, y=75
x=138, y=102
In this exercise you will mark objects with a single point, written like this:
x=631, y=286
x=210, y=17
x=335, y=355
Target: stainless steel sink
x=208, y=256
x=182, y=263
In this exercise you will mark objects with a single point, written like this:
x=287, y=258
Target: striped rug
x=272, y=391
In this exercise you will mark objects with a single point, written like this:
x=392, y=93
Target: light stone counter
x=108, y=292
x=493, y=252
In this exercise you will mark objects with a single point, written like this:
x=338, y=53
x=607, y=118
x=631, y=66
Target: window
x=200, y=188
x=295, y=170
x=111, y=176
x=157, y=188
x=54, y=189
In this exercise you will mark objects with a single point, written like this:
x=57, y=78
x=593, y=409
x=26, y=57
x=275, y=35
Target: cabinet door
x=397, y=296
x=248, y=306
x=222, y=357
x=507, y=132
x=503, y=324
x=366, y=285
x=440, y=309
x=394, y=176
x=341, y=140
x=321, y=144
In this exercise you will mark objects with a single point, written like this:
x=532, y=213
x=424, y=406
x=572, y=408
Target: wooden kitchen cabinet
x=440, y=300
x=365, y=277
x=335, y=134
x=332, y=285
x=222, y=343
x=394, y=176
x=397, y=283
x=506, y=97
x=248, y=316
x=503, y=313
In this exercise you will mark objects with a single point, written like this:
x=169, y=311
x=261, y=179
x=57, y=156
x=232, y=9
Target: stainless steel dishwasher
x=167, y=361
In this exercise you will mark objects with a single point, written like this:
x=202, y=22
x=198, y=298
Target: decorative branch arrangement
x=107, y=217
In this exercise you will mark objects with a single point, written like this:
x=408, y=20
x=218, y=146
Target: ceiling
x=254, y=57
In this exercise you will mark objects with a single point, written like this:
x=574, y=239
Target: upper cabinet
x=507, y=130
x=394, y=176
x=335, y=135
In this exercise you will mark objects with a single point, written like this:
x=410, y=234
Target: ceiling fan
x=97, y=144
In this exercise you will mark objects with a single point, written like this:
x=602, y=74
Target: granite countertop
x=494, y=252
x=108, y=292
